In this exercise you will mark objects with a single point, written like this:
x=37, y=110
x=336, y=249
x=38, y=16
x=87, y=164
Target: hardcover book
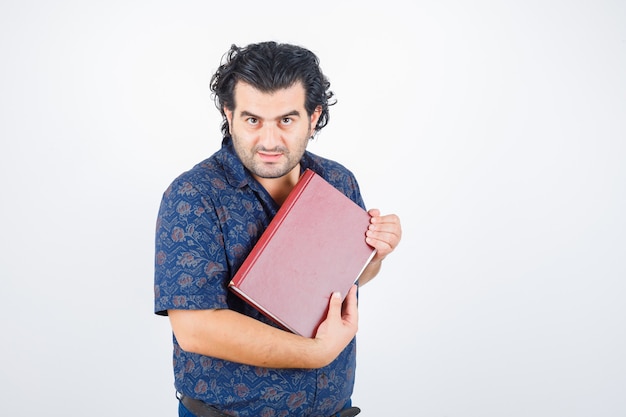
x=314, y=246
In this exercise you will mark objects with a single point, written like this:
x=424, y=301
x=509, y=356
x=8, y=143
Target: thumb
x=334, y=306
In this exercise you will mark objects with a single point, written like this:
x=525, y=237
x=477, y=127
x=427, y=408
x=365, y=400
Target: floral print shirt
x=209, y=219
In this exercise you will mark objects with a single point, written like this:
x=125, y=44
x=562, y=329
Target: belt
x=349, y=412
x=202, y=409
x=199, y=408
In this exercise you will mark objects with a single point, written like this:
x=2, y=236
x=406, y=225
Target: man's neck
x=279, y=188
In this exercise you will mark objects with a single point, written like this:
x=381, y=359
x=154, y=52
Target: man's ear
x=229, y=118
x=315, y=117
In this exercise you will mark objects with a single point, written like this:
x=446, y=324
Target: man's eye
x=252, y=121
x=287, y=120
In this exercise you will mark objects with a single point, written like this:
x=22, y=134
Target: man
x=228, y=358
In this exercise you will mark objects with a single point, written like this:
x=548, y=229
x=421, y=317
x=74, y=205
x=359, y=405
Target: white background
x=496, y=130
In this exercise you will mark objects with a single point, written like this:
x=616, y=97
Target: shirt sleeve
x=190, y=263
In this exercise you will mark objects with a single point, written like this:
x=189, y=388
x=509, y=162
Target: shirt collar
x=236, y=174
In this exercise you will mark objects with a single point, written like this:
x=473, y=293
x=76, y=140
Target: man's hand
x=340, y=326
x=384, y=234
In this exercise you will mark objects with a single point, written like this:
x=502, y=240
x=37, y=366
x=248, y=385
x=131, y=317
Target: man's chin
x=270, y=172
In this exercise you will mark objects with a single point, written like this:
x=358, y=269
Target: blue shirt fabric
x=209, y=219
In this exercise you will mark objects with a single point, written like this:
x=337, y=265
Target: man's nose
x=270, y=136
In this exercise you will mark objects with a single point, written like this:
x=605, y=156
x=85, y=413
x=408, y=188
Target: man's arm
x=384, y=234
x=232, y=336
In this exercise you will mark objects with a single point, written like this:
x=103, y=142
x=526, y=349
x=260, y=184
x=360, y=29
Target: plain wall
x=496, y=130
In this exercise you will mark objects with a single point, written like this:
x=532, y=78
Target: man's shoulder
x=336, y=174
x=202, y=178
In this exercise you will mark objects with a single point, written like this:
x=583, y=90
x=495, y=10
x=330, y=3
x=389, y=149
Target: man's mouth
x=270, y=156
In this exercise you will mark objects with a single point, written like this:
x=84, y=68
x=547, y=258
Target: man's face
x=270, y=131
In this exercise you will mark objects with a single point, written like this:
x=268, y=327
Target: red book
x=314, y=246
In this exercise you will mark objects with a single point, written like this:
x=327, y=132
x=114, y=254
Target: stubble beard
x=262, y=169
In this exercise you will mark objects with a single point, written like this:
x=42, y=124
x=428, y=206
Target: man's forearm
x=229, y=335
x=232, y=336
x=370, y=271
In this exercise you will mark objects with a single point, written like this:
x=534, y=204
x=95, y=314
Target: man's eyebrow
x=246, y=113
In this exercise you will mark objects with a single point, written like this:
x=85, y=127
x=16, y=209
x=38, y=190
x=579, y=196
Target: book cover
x=314, y=246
